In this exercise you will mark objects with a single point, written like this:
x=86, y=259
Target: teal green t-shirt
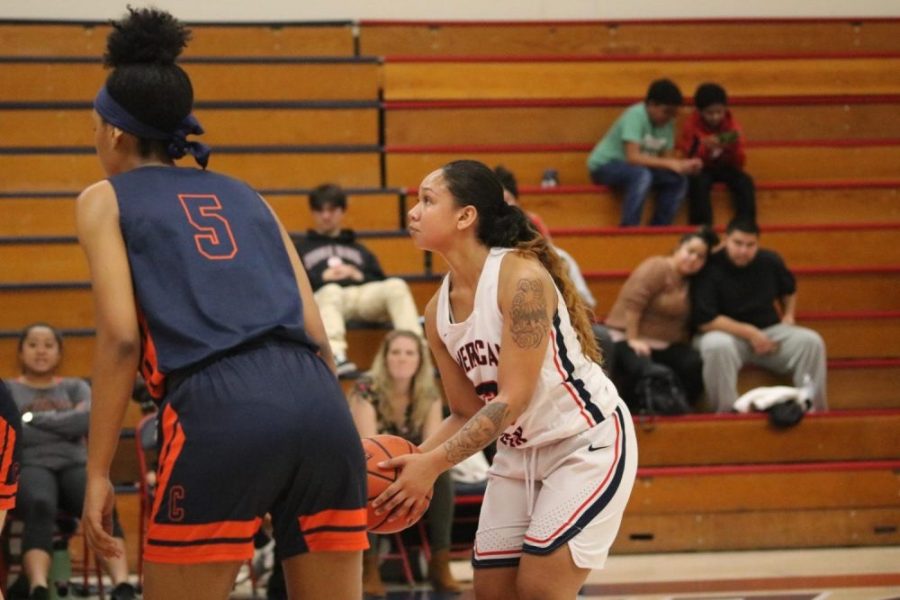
x=632, y=126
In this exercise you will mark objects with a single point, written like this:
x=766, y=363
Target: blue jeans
x=635, y=182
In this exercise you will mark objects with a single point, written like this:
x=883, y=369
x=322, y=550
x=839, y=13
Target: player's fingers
x=417, y=511
x=386, y=496
x=99, y=540
x=402, y=510
x=393, y=463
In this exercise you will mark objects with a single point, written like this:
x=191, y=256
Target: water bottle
x=550, y=178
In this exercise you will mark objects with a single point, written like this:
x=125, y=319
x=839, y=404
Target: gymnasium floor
x=835, y=574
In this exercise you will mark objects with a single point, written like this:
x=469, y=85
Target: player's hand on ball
x=407, y=497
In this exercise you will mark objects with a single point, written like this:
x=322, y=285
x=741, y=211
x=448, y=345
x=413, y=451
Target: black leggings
x=743, y=194
x=42, y=494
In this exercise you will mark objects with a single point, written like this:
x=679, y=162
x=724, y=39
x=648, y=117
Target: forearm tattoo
x=529, y=314
x=477, y=433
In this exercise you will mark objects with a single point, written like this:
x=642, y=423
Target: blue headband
x=114, y=114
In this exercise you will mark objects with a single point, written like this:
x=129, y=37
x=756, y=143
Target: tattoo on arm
x=529, y=314
x=481, y=430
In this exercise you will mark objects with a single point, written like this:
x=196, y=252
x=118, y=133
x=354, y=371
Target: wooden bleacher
x=352, y=166
x=851, y=335
x=824, y=291
x=290, y=107
x=584, y=121
x=825, y=245
x=856, y=435
x=860, y=245
x=741, y=507
x=424, y=78
x=74, y=80
x=778, y=203
x=804, y=161
x=627, y=37
x=233, y=123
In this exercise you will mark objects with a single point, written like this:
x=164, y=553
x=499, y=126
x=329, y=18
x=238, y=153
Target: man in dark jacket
x=347, y=278
x=733, y=305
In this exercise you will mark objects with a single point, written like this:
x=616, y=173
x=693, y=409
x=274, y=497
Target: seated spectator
x=398, y=396
x=637, y=155
x=52, y=476
x=650, y=319
x=347, y=279
x=733, y=305
x=712, y=134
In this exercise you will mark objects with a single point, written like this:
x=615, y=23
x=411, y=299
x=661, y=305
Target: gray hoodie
x=55, y=436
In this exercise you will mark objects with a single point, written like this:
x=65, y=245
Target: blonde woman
x=398, y=396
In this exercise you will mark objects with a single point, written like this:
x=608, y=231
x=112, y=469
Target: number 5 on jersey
x=215, y=240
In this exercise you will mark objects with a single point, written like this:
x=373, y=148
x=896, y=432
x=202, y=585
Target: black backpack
x=658, y=392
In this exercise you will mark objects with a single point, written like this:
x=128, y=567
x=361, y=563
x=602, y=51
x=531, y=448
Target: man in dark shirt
x=734, y=307
x=346, y=277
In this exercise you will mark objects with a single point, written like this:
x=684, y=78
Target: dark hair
x=664, y=91
x=507, y=180
x=742, y=224
x=141, y=50
x=708, y=94
x=27, y=330
x=501, y=225
x=327, y=194
x=705, y=234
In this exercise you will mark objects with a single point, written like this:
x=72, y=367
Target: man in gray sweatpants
x=733, y=306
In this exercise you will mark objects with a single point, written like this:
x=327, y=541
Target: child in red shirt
x=712, y=134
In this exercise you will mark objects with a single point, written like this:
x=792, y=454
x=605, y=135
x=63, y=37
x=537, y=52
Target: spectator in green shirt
x=637, y=155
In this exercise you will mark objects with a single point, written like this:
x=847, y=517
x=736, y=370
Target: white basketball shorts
x=570, y=492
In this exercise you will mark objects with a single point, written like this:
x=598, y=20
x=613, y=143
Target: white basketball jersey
x=572, y=393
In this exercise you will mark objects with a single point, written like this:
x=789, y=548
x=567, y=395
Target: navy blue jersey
x=209, y=267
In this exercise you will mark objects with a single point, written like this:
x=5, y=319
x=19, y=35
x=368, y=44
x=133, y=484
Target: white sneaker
x=345, y=367
x=243, y=574
x=807, y=392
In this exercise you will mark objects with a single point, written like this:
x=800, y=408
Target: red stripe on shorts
x=173, y=443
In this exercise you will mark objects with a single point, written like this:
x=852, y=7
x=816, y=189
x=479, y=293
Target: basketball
x=377, y=449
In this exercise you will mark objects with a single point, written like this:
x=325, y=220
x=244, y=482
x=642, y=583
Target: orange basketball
x=379, y=448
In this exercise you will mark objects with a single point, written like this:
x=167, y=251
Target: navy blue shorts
x=264, y=430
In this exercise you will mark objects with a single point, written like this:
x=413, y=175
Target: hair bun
x=145, y=35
